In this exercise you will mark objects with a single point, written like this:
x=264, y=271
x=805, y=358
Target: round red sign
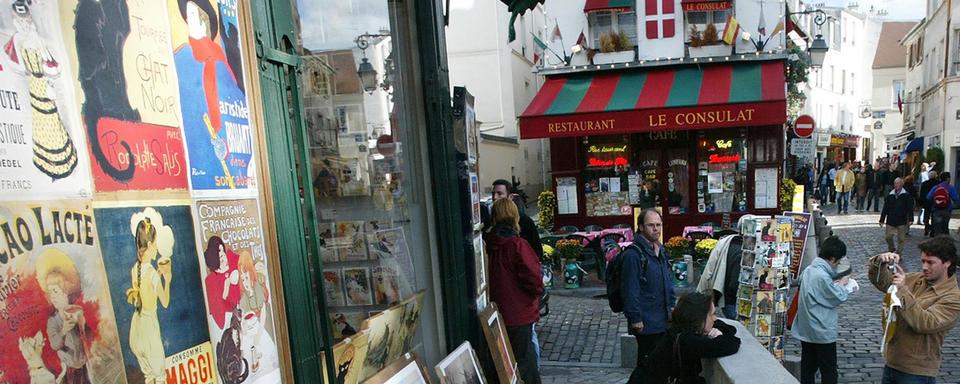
x=804, y=126
x=385, y=145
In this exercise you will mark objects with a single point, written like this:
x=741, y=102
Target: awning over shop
x=608, y=5
x=899, y=139
x=705, y=5
x=675, y=98
x=914, y=145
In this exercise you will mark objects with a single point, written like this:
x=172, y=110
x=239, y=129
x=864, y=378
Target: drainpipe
x=946, y=71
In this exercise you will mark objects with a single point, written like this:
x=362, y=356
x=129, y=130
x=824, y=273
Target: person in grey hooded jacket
x=821, y=292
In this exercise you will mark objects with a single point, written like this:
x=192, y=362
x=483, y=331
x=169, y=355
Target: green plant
x=797, y=69
x=569, y=249
x=787, y=188
x=704, y=247
x=546, y=209
x=677, y=246
x=935, y=154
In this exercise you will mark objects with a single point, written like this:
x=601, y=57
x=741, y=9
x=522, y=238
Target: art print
x=408, y=370
x=386, y=285
x=382, y=327
x=749, y=243
x=460, y=367
x=346, y=324
x=333, y=287
x=155, y=286
x=749, y=228
x=328, y=242
x=769, y=230
x=746, y=276
x=41, y=136
x=237, y=289
x=766, y=279
x=785, y=233
x=402, y=340
x=348, y=357
x=745, y=292
x=127, y=82
x=765, y=303
x=356, y=283
x=781, y=278
x=763, y=325
x=216, y=122
x=56, y=298
x=480, y=263
x=744, y=307
x=781, y=301
x=779, y=324
x=748, y=259
x=351, y=244
x=499, y=344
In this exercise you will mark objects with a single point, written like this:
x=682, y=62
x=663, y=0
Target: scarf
x=206, y=51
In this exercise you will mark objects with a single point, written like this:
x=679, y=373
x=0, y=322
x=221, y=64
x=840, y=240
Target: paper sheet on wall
x=765, y=188
x=715, y=182
x=566, y=195
x=614, y=184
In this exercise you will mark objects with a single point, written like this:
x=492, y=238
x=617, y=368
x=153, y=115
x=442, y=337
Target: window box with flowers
x=615, y=47
x=707, y=43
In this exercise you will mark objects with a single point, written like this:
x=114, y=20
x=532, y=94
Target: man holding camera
x=930, y=308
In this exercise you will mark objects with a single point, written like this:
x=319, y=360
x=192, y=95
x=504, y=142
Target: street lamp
x=368, y=75
x=818, y=48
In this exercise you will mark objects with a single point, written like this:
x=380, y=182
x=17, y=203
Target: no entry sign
x=804, y=126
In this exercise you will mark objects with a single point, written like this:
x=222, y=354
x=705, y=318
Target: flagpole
x=563, y=46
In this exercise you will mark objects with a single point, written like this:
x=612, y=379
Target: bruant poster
x=127, y=87
x=237, y=291
x=216, y=121
x=41, y=138
x=151, y=262
x=54, y=302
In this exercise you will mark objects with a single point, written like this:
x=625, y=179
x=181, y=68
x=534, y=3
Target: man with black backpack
x=942, y=199
x=639, y=285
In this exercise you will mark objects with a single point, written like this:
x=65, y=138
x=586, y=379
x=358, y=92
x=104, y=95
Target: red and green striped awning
x=608, y=5
x=685, y=97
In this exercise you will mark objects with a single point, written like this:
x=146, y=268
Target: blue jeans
x=843, y=202
x=730, y=311
x=536, y=343
x=893, y=376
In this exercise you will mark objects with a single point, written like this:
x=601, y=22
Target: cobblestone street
x=580, y=341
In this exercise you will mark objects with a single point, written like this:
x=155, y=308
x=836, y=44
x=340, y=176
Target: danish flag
x=660, y=18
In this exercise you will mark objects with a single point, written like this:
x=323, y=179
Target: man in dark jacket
x=528, y=229
x=940, y=217
x=897, y=214
x=925, y=188
x=648, y=295
x=874, y=186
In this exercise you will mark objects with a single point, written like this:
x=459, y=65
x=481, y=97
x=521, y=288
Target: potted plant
x=570, y=253
x=546, y=263
x=706, y=43
x=615, y=47
x=679, y=248
x=546, y=208
x=702, y=253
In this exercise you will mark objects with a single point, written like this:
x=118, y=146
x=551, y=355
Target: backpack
x=613, y=280
x=941, y=198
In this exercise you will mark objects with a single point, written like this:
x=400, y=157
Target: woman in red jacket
x=515, y=284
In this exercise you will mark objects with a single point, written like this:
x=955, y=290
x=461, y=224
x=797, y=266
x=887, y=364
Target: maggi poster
x=127, y=85
x=237, y=291
x=155, y=287
x=58, y=325
x=41, y=140
x=216, y=121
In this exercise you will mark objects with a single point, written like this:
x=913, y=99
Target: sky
x=334, y=24
x=898, y=10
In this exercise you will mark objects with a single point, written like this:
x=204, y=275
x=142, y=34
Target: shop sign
x=595, y=162
x=823, y=140
x=721, y=159
x=706, y=6
x=802, y=148
x=837, y=140
x=607, y=148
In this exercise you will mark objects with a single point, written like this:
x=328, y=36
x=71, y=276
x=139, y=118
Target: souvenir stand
x=763, y=296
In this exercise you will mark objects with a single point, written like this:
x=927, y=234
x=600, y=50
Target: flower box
x=613, y=57
x=710, y=50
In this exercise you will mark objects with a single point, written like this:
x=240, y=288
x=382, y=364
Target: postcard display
x=763, y=296
x=133, y=245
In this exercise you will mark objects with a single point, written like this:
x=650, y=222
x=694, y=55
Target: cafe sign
x=705, y=6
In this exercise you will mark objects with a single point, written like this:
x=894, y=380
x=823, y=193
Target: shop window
x=678, y=181
x=701, y=19
x=721, y=173
x=605, y=176
x=604, y=22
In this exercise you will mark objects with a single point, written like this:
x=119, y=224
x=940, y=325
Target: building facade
x=889, y=87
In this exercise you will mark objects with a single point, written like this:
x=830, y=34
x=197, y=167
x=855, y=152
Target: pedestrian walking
x=648, y=295
x=943, y=197
x=825, y=183
x=695, y=333
x=860, y=188
x=821, y=292
x=925, y=188
x=833, y=177
x=843, y=182
x=515, y=284
x=897, y=215
x=874, y=187
x=930, y=308
x=528, y=229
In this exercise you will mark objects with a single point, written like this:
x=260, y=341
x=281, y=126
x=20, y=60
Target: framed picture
x=356, y=282
x=348, y=357
x=383, y=328
x=386, y=285
x=480, y=263
x=482, y=301
x=475, y=197
x=404, y=371
x=346, y=324
x=351, y=242
x=333, y=286
x=402, y=335
x=500, y=348
x=460, y=367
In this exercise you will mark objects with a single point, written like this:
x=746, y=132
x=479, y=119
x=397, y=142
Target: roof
x=890, y=54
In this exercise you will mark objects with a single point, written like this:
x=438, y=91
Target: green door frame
x=279, y=78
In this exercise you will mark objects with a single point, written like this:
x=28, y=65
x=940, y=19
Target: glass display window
x=722, y=172
x=606, y=181
x=678, y=181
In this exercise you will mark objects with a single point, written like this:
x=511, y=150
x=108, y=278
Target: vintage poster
x=346, y=324
x=150, y=260
x=216, y=122
x=351, y=243
x=356, y=282
x=382, y=327
x=333, y=287
x=233, y=268
x=127, y=86
x=348, y=356
x=390, y=247
x=41, y=139
x=386, y=285
x=55, y=306
x=801, y=226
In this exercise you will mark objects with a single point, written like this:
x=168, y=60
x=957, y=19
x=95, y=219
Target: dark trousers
x=939, y=222
x=873, y=196
x=893, y=376
x=818, y=357
x=645, y=345
x=927, y=212
x=860, y=200
x=522, y=340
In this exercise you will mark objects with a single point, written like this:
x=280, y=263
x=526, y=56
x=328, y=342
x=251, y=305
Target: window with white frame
x=955, y=63
x=897, y=89
x=853, y=85
x=701, y=19
x=604, y=22
x=843, y=82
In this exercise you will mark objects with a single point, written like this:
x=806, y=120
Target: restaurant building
x=697, y=134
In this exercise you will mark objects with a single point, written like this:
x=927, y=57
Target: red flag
x=582, y=40
x=899, y=103
x=556, y=33
x=536, y=58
